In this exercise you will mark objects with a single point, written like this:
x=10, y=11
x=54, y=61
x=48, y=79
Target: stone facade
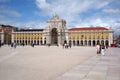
x=56, y=33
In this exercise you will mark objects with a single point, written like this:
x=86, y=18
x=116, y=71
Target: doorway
x=54, y=36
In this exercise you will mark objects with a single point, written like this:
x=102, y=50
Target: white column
x=66, y=36
x=48, y=38
x=43, y=39
x=83, y=42
x=111, y=38
x=75, y=42
x=91, y=42
x=12, y=36
x=87, y=42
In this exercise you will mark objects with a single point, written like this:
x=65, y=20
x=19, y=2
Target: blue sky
x=77, y=13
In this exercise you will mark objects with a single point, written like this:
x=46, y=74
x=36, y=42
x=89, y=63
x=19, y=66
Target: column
x=75, y=42
x=79, y=42
x=12, y=35
x=48, y=38
x=91, y=42
x=87, y=42
x=66, y=37
x=43, y=39
x=83, y=42
x=111, y=38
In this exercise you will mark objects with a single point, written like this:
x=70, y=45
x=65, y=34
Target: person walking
x=98, y=48
x=102, y=49
x=14, y=44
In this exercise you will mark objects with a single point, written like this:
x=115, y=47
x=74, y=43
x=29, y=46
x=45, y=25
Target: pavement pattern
x=97, y=68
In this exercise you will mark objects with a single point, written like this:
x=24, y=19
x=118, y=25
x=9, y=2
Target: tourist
x=98, y=48
x=102, y=49
x=14, y=44
x=32, y=44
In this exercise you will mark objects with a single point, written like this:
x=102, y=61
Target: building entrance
x=54, y=36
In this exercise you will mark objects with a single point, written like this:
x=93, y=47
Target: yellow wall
x=36, y=36
x=87, y=35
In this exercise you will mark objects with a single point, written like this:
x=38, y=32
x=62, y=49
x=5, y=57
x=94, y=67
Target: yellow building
x=28, y=37
x=90, y=36
x=56, y=33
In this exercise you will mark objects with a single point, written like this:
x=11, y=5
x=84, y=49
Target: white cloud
x=68, y=9
x=71, y=11
x=30, y=24
x=112, y=11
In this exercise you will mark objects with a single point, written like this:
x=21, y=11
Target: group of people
x=101, y=48
x=66, y=45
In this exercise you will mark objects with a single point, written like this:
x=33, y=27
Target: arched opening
x=73, y=42
x=28, y=42
x=89, y=43
x=37, y=42
x=81, y=42
x=70, y=41
x=20, y=42
x=93, y=42
x=98, y=42
x=14, y=41
x=17, y=42
x=85, y=42
x=107, y=43
x=41, y=42
x=54, y=36
x=78, y=43
x=102, y=42
x=25, y=42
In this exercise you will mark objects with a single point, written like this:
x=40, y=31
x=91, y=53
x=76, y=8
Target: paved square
x=40, y=62
x=56, y=63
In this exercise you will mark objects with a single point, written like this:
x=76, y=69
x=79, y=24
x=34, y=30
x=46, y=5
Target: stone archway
x=54, y=36
x=93, y=42
x=78, y=43
x=89, y=43
x=81, y=42
x=98, y=42
x=85, y=42
x=106, y=43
